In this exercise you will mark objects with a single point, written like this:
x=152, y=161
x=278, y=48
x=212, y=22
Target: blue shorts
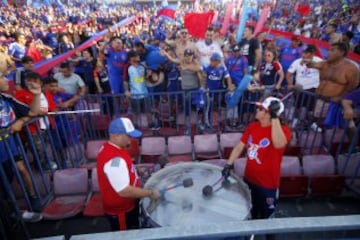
x=264, y=201
x=5, y=154
x=334, y=116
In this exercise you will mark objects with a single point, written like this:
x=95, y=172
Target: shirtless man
x=330, y=30
x=5, y=62
x=338, y=76
x=181, y=43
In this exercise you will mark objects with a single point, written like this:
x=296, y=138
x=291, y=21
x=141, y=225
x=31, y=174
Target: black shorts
x=264, y=201
x=132, y=219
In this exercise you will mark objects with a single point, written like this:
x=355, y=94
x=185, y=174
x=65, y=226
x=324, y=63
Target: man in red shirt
x=118, y=180
x=265, y=141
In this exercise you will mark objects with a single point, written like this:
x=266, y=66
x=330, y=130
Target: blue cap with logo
x=124, y=126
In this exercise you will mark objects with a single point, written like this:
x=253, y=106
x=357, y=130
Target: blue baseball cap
x=124, y=126
x=216, y=57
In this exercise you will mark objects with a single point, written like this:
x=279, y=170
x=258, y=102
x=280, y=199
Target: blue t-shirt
x=51, y=40
x=153, y=59
x=86, y=69
x=288, y=55
x=17, y=51
x=172, y=71
x=236, y=66
x=137, y=84
x=215, y=76
x=10, y=110
x=115, y=62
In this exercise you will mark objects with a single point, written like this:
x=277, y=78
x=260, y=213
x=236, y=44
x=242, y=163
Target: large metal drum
x=188, y=205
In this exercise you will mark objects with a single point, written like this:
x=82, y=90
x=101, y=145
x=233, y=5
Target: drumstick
x=188, y=182
x=208, y=190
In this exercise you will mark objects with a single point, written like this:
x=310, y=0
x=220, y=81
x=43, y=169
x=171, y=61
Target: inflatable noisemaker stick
x=232, y=99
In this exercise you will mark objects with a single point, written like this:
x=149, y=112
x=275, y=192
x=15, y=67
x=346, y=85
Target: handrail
x=238, y=228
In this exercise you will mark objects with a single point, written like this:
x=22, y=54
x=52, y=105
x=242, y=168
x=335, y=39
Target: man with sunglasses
x=181, y=43
x=265, y=141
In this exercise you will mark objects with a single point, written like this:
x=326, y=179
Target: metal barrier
x=37, y=150
x=29, y=160
x=179, y=113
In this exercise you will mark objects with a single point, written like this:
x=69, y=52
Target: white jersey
x=205, y=51
x=306, y=77
x=44, y=107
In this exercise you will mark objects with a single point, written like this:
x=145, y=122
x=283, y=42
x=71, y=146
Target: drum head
x=184, y=206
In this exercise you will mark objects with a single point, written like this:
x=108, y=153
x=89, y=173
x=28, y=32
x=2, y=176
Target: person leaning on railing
x=13, y=115
x=46, y=104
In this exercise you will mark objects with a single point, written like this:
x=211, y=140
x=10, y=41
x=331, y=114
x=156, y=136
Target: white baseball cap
x=266, y=103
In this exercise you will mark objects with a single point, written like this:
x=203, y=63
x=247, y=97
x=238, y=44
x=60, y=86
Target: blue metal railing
x=64, y=143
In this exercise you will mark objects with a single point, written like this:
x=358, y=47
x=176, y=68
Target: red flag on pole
x=197, y=23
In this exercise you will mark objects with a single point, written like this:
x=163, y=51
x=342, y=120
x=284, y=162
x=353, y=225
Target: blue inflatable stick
x=233, y=98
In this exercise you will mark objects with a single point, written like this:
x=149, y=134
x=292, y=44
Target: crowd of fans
x=155, y=54
x=172, y=59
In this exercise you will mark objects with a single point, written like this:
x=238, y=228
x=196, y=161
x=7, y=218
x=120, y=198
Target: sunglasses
x=183, y=33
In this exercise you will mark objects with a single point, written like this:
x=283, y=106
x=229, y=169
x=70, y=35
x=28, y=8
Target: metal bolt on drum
x=187, y=204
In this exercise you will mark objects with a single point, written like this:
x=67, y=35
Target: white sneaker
x=31, y=217
x=53, y=165
x=294, y=123
x=315, y=127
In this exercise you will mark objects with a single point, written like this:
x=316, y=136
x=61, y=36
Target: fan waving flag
x=167, y=12
x=197, y=23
